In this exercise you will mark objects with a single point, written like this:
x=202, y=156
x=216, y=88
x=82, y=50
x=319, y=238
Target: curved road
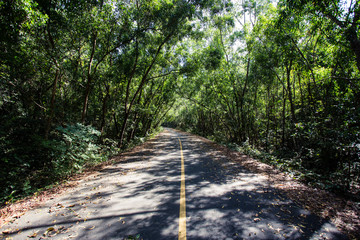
x=139, y=198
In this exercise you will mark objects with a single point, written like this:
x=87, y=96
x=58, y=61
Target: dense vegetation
x=80, y=80
x=283, y=87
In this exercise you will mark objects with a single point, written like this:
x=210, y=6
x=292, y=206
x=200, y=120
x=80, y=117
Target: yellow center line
x=182, y=214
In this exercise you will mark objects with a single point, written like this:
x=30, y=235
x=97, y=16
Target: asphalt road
x=139, y=198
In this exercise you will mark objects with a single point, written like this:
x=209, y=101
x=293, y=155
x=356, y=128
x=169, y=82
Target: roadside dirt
x=345, y=214
x=15, y=210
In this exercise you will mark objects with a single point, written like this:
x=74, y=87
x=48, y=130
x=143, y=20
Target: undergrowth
x=332, y=181
x=42, y=164
x=343, y=179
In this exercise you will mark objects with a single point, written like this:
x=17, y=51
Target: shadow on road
x=139, y=199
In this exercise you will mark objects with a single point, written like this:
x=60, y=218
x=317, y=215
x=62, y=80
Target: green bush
x=73, y=147
x=29, y=162
x=21, y=155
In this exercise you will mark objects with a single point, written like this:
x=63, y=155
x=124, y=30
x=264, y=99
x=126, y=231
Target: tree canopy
x=80, y=80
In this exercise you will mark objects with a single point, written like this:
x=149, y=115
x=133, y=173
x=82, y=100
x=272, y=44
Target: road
x=139, y=198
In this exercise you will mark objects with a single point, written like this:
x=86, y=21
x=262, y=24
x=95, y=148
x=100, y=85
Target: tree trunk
x=164, y=115
x=52, y=104
x=301, y=92
x=141, y=85
x=55, y=83
x=268, y=109
x=288, y=76
x=283, y=118
x=116, y=124
x=133, y=130
x=104, y=109
x=88, y=84
x=243, y=121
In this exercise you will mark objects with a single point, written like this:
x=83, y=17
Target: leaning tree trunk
x=89, y=78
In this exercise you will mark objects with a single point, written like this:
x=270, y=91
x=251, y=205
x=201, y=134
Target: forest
x=83, y=80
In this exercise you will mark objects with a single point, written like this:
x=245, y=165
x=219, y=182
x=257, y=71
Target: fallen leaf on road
x=33, y=235
x=48, y=231
x=7, y=231
x=62, y=229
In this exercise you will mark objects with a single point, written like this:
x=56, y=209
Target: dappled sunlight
x=140, y=196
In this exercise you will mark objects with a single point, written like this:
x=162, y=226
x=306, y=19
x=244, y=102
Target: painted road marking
x=182, y=213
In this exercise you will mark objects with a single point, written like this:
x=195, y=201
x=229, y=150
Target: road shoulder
x=345, y=214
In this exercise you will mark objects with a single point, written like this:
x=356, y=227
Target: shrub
x=29, y=162
x=74, y=147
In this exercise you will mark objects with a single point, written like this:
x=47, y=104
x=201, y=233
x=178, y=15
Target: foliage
x=283, y=85
x=73, y=147
x=79, y=79
x=38, y=163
